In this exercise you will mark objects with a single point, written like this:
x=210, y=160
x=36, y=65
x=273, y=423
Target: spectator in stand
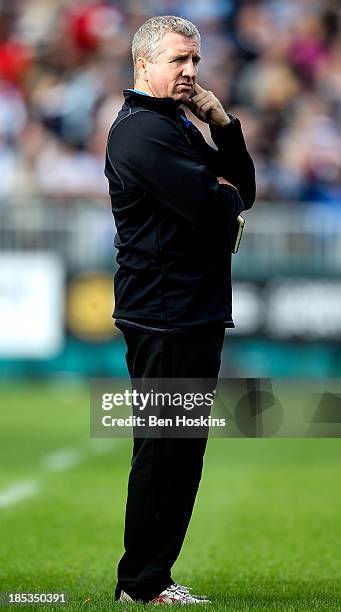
x=63, y=65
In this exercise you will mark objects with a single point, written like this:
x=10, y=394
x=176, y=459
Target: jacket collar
x=167, y=106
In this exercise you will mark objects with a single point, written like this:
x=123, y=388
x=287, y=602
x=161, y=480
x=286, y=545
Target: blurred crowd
x=276, y=64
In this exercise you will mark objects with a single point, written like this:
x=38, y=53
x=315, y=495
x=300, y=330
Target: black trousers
x=165, y=472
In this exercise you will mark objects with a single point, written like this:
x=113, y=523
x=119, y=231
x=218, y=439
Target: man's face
x=173, y=72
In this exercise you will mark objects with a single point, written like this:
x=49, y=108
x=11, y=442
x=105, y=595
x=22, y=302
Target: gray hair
x=147, y=38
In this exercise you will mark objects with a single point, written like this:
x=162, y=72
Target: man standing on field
x=174, y=199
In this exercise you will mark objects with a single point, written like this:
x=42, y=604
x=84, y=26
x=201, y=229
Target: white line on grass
x=18, y=492
x=66, y=458
x=57, y=461
x=63, y=459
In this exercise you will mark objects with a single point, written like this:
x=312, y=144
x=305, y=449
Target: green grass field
x=265, y=535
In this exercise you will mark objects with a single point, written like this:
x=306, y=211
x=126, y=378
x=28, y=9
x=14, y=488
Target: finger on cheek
x=200, y=97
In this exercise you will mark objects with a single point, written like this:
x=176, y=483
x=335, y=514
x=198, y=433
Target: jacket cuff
x=229, y=135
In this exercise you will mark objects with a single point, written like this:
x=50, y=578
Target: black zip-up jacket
x=173, y=218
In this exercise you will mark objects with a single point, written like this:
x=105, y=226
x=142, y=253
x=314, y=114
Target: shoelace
x=187, y=590
x=183, y=591
x=182, y=588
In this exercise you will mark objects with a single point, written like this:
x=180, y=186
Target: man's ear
x=141, y=65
